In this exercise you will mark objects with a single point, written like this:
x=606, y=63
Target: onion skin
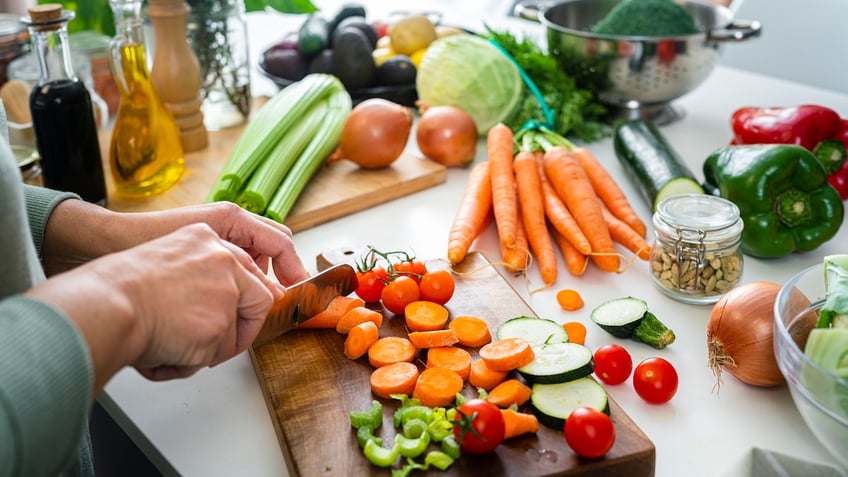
x=374, y=134
x=447, y=135
x=740, y=334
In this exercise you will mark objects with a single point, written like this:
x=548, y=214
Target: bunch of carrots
x=444, y=344
x=544, y=192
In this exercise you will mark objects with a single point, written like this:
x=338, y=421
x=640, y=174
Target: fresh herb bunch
x=577, y=112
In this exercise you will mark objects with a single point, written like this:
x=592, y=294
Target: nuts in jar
x=696, y=256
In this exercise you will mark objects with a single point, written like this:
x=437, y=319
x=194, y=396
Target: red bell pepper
x=816, y=128
x=839, y=178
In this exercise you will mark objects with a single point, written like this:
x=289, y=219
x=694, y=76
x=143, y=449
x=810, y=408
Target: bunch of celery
x=283, y=146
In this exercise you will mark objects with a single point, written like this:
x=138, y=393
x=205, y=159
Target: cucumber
x=553, y=403
x=651, y=163
x=558, y=363
x=537, y=331
x=313, y=35
x=834, y=312
x=828, y=348
x=628, y=317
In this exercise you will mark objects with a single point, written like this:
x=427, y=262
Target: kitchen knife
x=306, y=299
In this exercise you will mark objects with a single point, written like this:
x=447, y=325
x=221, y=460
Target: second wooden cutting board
x=310, y=386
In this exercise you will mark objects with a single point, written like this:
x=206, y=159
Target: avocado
x=352, y=61
x=397, y=70
x=359, y=23
x=285, y=64
x=347, y=10
x=322, y=62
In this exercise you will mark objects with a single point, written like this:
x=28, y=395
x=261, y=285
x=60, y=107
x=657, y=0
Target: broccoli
x=647, y=18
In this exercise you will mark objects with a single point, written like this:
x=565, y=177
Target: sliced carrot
x=575, y=262
x=473, y=212
x=624, y=234
x=331, y=315
x=516, y=258
x=437, y=387
x=390, y=349
x=360, y=338
x=529, y=189
x=560, y=218
x=509, y=392
x=433, y=339
x=569, y=299
x=576, y=331
x=518, y=423
x=455, y=359
x=608, y=190
x=357, y=315
x=481, y=376
x=422, y=315
x=500, y=145
x=395, y=378
x=571, y=183
x=470, y=331
x=507, y=354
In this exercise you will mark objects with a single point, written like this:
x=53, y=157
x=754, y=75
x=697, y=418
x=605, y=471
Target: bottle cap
x=48, y=16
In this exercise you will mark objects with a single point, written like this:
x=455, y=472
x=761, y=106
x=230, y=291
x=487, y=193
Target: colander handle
x=531, y=10
x=737, y=30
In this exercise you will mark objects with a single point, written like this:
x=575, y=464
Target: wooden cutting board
x=310, y=386
x=335, y=191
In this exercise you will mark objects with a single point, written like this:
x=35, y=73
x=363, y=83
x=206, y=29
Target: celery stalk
x=266, y=129
x=267, y=177
x=312, y=158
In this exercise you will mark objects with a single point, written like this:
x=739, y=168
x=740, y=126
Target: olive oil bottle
x=145, y=154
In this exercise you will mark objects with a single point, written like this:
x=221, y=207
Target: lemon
x=412, y=33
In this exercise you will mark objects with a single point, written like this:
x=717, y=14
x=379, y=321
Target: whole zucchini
x=651, y=163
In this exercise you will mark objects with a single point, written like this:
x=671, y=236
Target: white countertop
x=217, y=424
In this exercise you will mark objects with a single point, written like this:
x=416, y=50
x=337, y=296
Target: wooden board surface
x=336, y=190
x=310, y=386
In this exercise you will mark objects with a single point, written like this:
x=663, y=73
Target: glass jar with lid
x=696, y=256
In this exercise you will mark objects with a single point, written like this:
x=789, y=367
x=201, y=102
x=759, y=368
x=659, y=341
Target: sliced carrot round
x=391, y=349
x=437, y=387
x=481, y=376
x=509, y=392
x=424, y=315
x=455, y=359
x=360, y=338
x=507, y=354
x=471, y=331
x=433, y=339
x=357, y=315
x=395, y=378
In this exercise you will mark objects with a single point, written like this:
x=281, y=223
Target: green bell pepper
x=784, y=199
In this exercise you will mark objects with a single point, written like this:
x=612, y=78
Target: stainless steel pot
x=638, y=76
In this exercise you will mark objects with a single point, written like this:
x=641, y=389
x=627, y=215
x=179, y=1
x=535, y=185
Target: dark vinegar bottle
x=62, y=113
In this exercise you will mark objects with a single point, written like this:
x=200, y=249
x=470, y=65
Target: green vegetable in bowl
x=834, y=313
x=647, y=18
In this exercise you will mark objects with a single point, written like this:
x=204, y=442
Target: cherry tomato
x=412, y=268
x=612, y=363
x=655, y=380
x=478, y=426
x=400, y=292
x=437, y=286
x=589, y=432
x=371, y=284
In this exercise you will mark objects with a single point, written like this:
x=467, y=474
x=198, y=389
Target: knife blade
x=305, y=299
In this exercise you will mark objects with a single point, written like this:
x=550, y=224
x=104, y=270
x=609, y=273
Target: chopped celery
x=365, y=434
x=439, y=460
x=414, y=428
x=381, y=456
x=412, y=446
x=372, y=418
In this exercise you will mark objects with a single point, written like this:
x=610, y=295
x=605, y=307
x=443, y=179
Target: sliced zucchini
x=828, y=348
x=537, y=331
x=558, y=363
x=628, y=317
x=553, y=403
x=651, y=163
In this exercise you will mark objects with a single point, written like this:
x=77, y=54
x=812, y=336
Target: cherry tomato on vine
x=437, y=286
x=478, y=426
x=589, y=432
x=400, y=292
x=412, y=268
x=371, y=284
x=612, y=363
x=655, y=380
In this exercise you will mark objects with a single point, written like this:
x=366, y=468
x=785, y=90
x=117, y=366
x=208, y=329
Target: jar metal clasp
x=690, y=254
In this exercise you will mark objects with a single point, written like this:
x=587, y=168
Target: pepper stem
x=793, y=208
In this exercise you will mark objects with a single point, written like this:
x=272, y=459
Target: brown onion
x=740, y=335
x=447, y=135
x=374, y=134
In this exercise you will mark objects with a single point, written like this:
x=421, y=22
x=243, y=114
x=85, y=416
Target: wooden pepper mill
x=176, y=72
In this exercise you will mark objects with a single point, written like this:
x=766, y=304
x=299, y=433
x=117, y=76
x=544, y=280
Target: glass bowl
x=821, y=397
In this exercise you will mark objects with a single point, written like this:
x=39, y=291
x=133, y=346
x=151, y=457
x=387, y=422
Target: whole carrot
x=622, y=233
x=533, y=214
x=516, y=258
x=575, y=261
x=499, y=142
x=570, y=181
x=608, y=190
x=560, y=217
x=473, y=212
